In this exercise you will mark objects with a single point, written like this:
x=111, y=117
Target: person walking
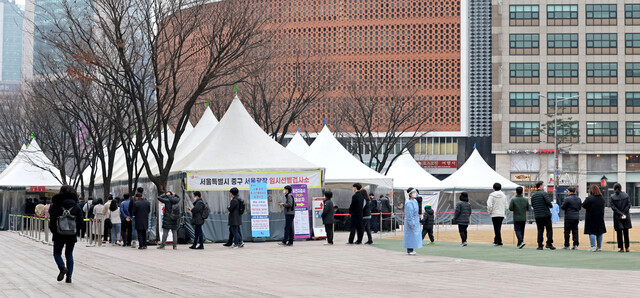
x=140, y=212
x=497, y=206
x=594, y=218
x=519, y=205
x=171, y=218
x=571, y=206
x=366, y=216
x=328, y=216
x=462, y=217
x=427, y=223
x=541, y=204
x=235, y=217
x=620, y=205
x=65, y=205
x=99, y=217
x=197, y=220
x=126, y=220
x=411, y=238
x=116, y=221
x=356, y=212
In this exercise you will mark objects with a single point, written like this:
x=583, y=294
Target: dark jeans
x=462, y=229
x=427, y=231
x=359, y=230
x=497, y=226
x=544, y=223
x=68, y=254
x=329, y=229
x=127, y=232
x=237, y=237
x=620, y=234
x=518, y=227
x=366, y=223
x=230, y=241
x=375, y=223
x=288, y=229
x=82, y=231
x=142, y=238
x=107, y=231
x=571, y=226
x=199, y=236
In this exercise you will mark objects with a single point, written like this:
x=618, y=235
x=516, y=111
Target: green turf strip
x=582, y=258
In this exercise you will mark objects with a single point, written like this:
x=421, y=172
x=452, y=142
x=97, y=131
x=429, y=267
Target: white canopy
x=298, y=145
x=476, y=175
x=31, y=167
x=204, y=127
x=239, y=144
x=406, y=172
x=341, y=166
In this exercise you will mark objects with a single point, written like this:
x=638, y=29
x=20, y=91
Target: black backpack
x=176, y=213
x=205, y=211
x=66, y=223
x=242, y=206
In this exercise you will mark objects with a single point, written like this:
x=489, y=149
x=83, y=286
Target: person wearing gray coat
x=170, y=221
x=327, y=216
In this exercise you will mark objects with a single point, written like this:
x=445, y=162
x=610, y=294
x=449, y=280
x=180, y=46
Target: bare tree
x=14, y=130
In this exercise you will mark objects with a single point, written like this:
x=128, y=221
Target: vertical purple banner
x=301, y=222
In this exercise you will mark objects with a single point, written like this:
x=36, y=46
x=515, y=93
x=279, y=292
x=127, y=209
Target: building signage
x=521, y=177
x=243, y=181
x=533, y=151
x=438, y=164
x=37, y=189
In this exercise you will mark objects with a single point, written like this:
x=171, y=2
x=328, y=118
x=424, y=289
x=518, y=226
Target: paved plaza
x=306, y=269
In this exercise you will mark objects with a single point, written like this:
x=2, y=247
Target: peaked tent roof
x=406, y=172
x=341, y=166
x=298, y=145
x=22, y=171
x=476, y=174
x=205, y=126
x=239, y=144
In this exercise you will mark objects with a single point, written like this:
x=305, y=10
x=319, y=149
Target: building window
x=632, y=43
x=524, y=73
x=565, y=106
x=602, y=73
x=524, y=15
x=562, y=73
x=633, y=102
x=633, y=132
x=633, y=163
x=562, y=15
x=568, y=132
x=601, y=14
x=632, y=72
x=602, y=163
x=632, y=14
x=562, y=44
x=602, y=102
x=524, y=103
x=602, y=132
x=524, y=132
x=524, y=44
x=602, y=44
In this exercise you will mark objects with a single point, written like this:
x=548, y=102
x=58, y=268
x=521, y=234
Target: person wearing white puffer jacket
x=497, y=206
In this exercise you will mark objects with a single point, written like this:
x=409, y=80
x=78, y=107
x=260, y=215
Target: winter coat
x=115, y=216
x=463, y=213
x=98, y=214
x=497, y=204
x=196, y=213
x=519, y=205
x=541, y=203
x=428, y=219
x=59, y=203
x=356, y=209
x=289, y=205
x=594, y=219
x=419, y=201
x=167, y=221
x=366, y=212
x=327, y=212
x=124, y=210
x=412, y=233
x=385, y=206
x=571, y=206
x=620, y=205
x=235, y=218
x=140, y=212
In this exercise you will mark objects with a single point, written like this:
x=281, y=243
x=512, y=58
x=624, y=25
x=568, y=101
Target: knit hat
x=427, y=207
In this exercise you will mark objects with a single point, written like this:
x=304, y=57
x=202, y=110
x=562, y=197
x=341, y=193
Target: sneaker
x=233, y=246
x=349, y=243
x=551, y=247
x=227, y=244
x=290, y=244
x=497, y=245
x=63, y=271
x=160, y=247
x=141, y=247
x=357, y=243
x=328, y=244
x=521, y=245
x=175, y=248
x=431, y=243
x=565, y=248
x=593, y=249
x=413, y=253
x=68, y=280
x=598, y=249
x=241, y=245
x=621, y=250
x=282, y=243
x=575, y=247
x=540, y=248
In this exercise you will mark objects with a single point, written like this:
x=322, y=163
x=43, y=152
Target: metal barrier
x=37, y=229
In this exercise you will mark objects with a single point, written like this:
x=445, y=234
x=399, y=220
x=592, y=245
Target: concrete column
x=544, y=169
x=622, y=170
x=582, y=176
x=503, y=165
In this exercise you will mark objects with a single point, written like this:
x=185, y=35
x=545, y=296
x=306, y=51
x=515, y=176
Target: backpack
x=66, y=223
x=182, y=235
x=176, y=213
x=242, y=206
x=205, y=211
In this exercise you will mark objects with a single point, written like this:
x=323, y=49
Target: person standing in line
x=411, y=238
x=82, y=230
x=132, y=203
x=571, y=206
x=519, y=205
x=541, y=204
x=366, y=216
x=126, y=220
x=235, y=217
x=39, y=210
x=170, y=221
x=375, y=219
x=620, y=205
x=197, y=220
x=497, y=206
x=462, y=217
x=98, y=215
x=116, y=221
x=356, y=212
x=328, y=216
x=140, y=212
x=289, y=205
x=594, y=218
x=66, y=201
x=427, y=224
x=385, y=209
x=107, y=220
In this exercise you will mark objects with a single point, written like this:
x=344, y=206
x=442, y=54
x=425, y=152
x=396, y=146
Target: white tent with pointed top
x=298, y=145
x=476, y=175
x=341, y=166
x=205, y=126
x=406, y=172
x=30, y=167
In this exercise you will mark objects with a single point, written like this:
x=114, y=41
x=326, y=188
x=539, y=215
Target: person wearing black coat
x=169, y=224
x=235, y=218
x=594, y=219
x=541, y=203
x=66, y=199
x=356, y=212
x=620, y=205
x=140, y=212
x=328, y=216
x=427, y=223
x=462, y=217
x=571, y=206
x=197, y=220
x=366, y=216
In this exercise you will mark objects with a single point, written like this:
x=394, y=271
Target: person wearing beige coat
x=497, y=206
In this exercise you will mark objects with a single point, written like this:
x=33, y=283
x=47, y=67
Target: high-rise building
x=581, y=57
x=11, y=18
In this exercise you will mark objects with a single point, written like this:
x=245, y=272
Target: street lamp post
x=556, y=172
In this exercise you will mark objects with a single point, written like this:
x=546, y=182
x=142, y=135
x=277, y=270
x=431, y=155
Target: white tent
x=31, y=167
x=204, y=127
x=406, y=172
x=298, y=145
x=476, y=175
x=340, y=165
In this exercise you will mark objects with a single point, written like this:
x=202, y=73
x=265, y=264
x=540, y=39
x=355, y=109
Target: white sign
x=318, y=225
x=243, y=181
x=259, y=210
x=160, y=217
x=301, y=223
